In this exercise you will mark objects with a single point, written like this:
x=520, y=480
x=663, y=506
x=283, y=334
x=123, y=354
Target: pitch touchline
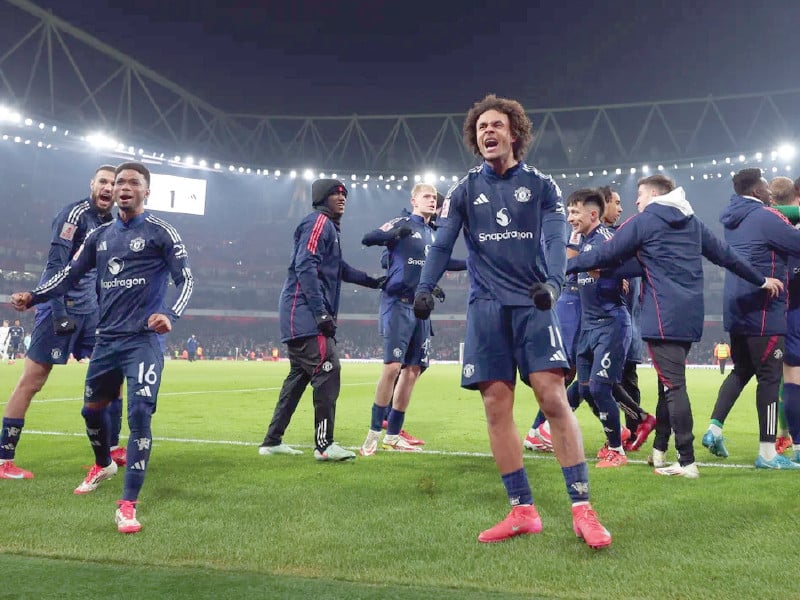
x=528, y=456
x=193, y=393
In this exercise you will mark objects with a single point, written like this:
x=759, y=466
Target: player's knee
x=139, y=415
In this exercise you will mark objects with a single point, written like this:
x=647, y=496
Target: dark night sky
x=375, y=57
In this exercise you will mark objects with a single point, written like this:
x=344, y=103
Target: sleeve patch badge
x=68, y=231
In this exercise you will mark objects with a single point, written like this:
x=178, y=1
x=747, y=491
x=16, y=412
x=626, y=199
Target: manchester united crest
x=522, y=194
x=137, y=244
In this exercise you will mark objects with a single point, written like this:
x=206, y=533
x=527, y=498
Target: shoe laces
x=127, y=509
x=93, y=472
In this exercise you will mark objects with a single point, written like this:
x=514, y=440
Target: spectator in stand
x=191, y=348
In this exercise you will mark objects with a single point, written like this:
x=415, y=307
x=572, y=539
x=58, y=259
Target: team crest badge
x=522, y=194
x=327, y=366
x=55, y=353
x=137, y=244
x=469, y=370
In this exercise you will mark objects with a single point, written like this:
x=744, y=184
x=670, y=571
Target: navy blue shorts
x=503, y=340
x=138, y=360
x=406, y=339
x=568, y=309
x=49, y=348
x=602, y=352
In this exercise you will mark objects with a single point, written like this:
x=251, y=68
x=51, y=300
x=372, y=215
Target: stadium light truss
x=16, y=128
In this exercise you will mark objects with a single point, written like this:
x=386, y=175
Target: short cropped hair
x=745, y=180
x=134, y=166
x=607, y=190
x=422, y=186
x=105, y=168
x=519, y=123
x=661, y=182
x=783, y=191
x=586, y=197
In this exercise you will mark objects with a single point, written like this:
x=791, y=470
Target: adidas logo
x=558, y=355
x=602, y=373
x=145, y=391
x=482, y=199
x=139, y=465
x=102, y=246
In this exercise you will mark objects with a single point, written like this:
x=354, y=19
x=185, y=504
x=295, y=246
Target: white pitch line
x=191, y=393
x=527, y=456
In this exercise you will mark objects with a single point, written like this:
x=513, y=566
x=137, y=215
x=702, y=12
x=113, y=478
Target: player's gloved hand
x=423, y=305
x=64, y=325
x=402, y=232
x=543, y=295
x=326, y=325
x=438, y=293
x=376, y=283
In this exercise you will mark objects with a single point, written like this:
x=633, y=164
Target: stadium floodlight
x=691, y=177
x=563, y=176
x=742, y=158
x=203, y=163
x=399, y=187
x=366, y=177
x=277, y=172
x=364, y=186
x=28, y=121
x=176, y=158
x=231, y=168
x=100, y=141
x=353, y=177
x=714, y=162
x=54, y=129
x=605, y=172
x=241, y=169
x=217, y=165
x=577, y=175
x=727, y=160
x=645, y=168
x=417, y=178
x=660, y=167
x=41, y=125
x=334, y=176
x=293, y=174
x=618, y=171
x=190, y=160
x=308, y=174
x=786, y=151
x=759, y=156
x=247, y=170
x=591, y=173
x=429, y=177
x=131, y=150
x=774, y=169
x=322, y=175
x=405, y=177
x=454, y=178
x=380, y=177
x=387, y=186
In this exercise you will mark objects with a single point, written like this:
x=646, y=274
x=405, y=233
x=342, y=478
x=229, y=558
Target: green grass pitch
x=220, y=521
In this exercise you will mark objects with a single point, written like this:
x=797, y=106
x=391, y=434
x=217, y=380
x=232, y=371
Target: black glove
x=402, y=232
x=423, y=305
x=326, y=325
x=438, y=293
x=64, y=325
x=376, y=283
x=543, y=295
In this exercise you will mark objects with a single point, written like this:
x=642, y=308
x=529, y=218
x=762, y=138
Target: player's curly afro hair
x=520, y=124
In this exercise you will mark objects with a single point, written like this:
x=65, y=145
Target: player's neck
x=427, y=219
x=502, y=164
x=126, y=216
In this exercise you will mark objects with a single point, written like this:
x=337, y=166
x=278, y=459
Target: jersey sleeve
x=60, y=282
x=63, y=233
x=312, y=239
x=449, y=225
x=177, y=260
x=554, y=225
x=385, y=234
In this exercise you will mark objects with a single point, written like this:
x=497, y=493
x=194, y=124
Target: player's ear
x=147, y=193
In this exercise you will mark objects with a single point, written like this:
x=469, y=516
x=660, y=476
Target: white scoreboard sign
x=170, y=193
